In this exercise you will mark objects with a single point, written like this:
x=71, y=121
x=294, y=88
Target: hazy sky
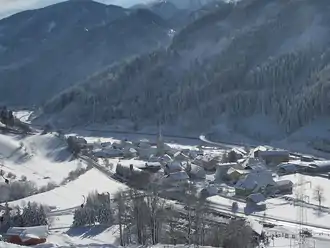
x=9, y=7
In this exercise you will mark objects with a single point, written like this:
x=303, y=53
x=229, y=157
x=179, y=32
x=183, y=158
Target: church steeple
x=160, y=142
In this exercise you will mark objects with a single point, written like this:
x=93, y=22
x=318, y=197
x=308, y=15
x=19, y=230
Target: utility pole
x=94, y=103
x=302, y=241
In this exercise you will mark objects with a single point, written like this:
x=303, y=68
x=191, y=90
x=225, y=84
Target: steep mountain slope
x=256, y=57
x=44, y=51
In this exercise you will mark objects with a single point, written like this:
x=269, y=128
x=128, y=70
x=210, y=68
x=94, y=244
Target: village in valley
x=278, y=194
x=267, y=183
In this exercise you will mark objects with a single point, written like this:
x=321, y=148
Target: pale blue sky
x=9, y=7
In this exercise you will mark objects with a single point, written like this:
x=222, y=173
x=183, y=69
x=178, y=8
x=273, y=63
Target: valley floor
x=49, y=161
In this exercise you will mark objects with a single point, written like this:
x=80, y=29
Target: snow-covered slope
x=40, y=158
x=70, y=195
x=252, y=58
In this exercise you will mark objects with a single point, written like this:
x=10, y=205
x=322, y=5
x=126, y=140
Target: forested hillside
x=253, y=57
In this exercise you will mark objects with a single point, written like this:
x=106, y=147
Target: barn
x=272, y=157
x=27, y=235
x=287, y=168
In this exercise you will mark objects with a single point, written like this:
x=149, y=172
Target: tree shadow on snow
x=86, y=232
x=60, y=155
x=320, y=212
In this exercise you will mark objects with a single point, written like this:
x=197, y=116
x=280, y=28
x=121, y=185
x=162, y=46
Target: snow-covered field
x=283, y=209
x=40, y=158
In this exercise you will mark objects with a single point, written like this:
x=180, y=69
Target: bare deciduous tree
x=199, y=222
x=156, y=207
x=238, y=234
x=190, y=201
x=319, y=195
x=120, y=215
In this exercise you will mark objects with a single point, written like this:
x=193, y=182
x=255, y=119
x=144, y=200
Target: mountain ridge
x=52, y=48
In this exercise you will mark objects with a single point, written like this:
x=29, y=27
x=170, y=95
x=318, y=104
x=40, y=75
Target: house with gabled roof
x=254, y=182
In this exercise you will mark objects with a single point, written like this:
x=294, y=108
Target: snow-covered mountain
x=268, y=58
x=44, y=51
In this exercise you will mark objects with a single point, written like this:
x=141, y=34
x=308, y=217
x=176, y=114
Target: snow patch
x=51, y=26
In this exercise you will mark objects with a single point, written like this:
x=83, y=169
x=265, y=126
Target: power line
x=302, y=241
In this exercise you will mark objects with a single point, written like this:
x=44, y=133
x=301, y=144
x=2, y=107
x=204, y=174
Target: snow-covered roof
x=284, y=182
x=211, y=190
x=146, y=152
x=274, y=153
x=195, y=153
x=166, y=158
x=256, y=198
x=227, y=164
x=119, y=144
x=178, y=176
x=256, y=180
x=254, y=163
x=173, y=166
x=195, y=168
x=148, y=164
x=233, y=170
x=262, y=148
x=239, y=150
x=144, y=145
x=197, y=171
x=126, y=166
x=320, y=163
x=23, y=232
x=210, y=159
x=289, y=167
x=180, y=156
x=107, y=152
x=130, y=149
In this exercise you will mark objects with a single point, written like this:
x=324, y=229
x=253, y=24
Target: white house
x=271, y=156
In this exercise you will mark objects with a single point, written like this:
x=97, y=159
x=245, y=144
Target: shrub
x=75, y=174
x=48, y=187
x=23, y=178
x=17, y=190
x=11, y=175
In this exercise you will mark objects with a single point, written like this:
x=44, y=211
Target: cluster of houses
x=251, y=173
